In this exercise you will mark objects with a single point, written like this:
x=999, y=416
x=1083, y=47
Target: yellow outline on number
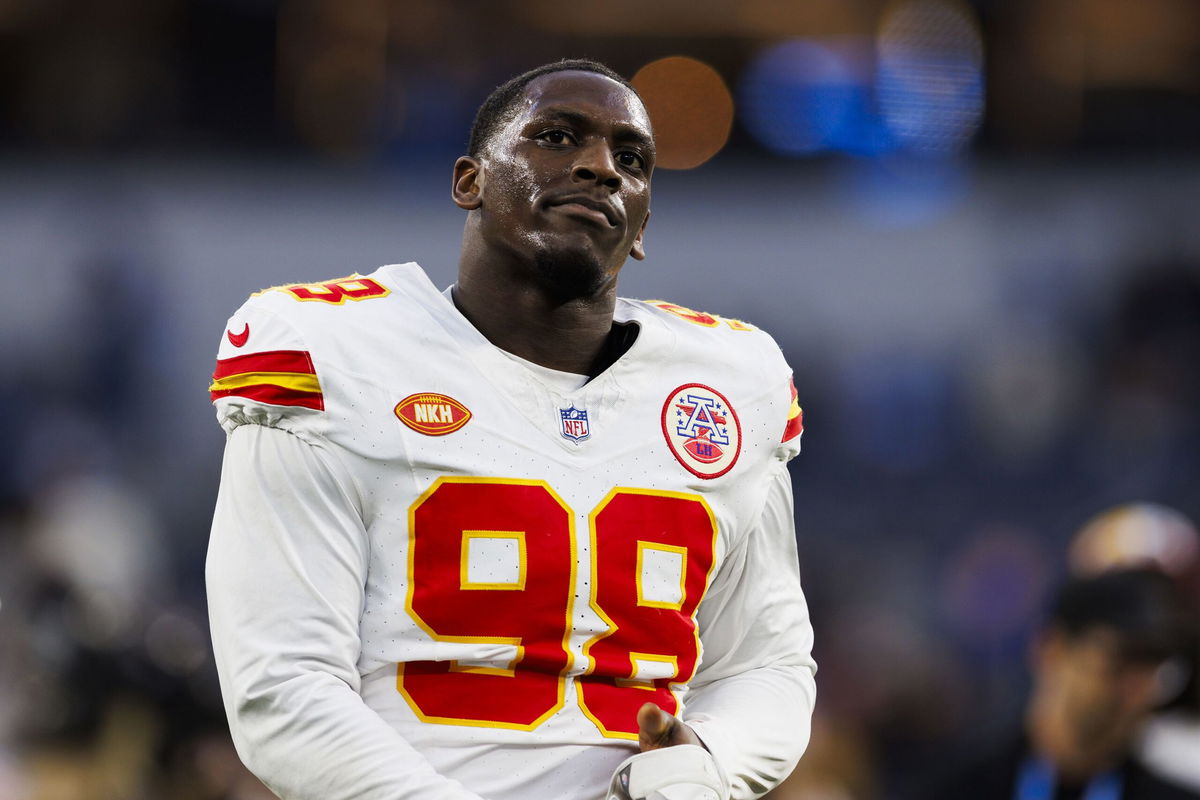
x=464, y=582
x=573, y=559
x=643, y=546
x=633, y=681
x=613, y=627
x=322, y=288
x=504, y=672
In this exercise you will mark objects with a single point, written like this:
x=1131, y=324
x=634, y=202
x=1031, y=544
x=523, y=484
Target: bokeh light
x=690, y=107
x=805, y=96
x=917, y=88
x=930, y=75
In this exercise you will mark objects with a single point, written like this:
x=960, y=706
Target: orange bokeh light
x=690, y=107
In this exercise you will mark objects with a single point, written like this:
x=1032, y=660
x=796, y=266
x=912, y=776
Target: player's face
x=565, y=184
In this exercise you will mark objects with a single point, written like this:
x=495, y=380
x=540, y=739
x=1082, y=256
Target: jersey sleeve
x=752, y=699
x=286, y=571
x=265, y=374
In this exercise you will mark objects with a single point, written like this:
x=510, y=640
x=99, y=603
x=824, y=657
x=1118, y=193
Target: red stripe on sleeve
x=269, y=361
x=275, y=395
x=795, y=425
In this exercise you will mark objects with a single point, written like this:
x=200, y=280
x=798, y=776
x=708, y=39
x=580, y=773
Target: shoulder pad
x=264, y=371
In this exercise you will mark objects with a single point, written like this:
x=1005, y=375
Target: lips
x=588, y=208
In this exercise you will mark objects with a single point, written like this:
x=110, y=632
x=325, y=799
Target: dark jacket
x=994, y=777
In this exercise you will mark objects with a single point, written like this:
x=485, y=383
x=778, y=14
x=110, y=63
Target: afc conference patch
x=702, y=430
x=574, y=423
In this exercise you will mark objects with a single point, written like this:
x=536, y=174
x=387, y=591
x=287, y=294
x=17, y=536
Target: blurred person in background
x=1152, y=536
x=1098, y=672
x=839, y=764
x=401, y=606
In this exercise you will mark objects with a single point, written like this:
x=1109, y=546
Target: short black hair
x=495, y=107
x=1139, y=605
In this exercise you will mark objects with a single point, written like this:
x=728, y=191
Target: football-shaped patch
x=432, y=414
x=702, y=430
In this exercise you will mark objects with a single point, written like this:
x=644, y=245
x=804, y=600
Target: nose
x=596, y=165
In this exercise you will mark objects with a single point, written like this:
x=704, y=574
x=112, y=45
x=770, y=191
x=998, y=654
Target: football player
x=521, y=538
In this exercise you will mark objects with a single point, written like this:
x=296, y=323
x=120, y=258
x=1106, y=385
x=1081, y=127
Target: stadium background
x=972, y=227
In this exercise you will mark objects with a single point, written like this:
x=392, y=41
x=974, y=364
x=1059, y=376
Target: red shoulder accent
x=274, y=395
x=795, y=421
x=298, y=361
x=277, y=377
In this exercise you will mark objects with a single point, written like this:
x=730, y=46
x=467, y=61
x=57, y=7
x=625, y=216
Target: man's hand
x=657, y=728
x=663, y=771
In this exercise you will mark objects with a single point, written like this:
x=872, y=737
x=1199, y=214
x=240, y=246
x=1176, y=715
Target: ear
x=467, y=189
x=638, y=251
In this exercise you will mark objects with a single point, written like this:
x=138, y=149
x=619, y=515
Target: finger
x=654, y=727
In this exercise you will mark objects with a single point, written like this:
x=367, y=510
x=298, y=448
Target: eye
x=556, y=136
x=631, y=159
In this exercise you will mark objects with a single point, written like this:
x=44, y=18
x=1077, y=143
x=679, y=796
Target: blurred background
x=973, y=227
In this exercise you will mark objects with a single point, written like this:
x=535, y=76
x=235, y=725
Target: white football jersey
x=435, y=573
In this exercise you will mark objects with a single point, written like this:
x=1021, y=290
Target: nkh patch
x=702, y=430
x=574, y=423
x=432, y=414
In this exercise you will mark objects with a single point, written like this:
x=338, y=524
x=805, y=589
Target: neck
x=523, y=318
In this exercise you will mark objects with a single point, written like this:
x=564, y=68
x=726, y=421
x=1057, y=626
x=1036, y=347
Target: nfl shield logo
x=574, y=424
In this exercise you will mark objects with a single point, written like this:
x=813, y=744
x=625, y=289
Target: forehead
x=590, y=94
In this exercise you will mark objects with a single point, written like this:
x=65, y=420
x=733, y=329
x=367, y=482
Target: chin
x=572, y=275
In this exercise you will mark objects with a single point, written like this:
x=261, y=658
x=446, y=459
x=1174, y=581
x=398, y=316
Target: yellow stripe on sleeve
x=297, y=381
